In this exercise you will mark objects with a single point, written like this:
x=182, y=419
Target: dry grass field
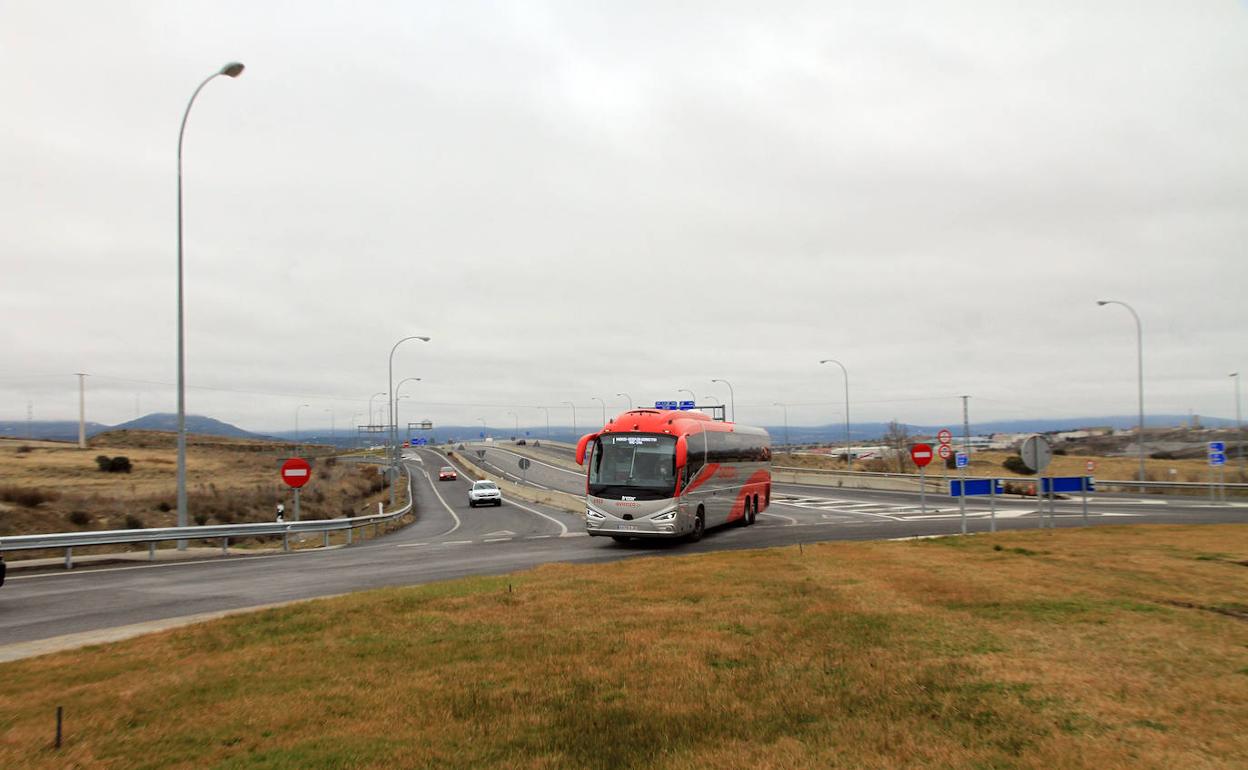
x=56, y=487
x=1110, y=647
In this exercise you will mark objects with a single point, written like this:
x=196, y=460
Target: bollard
x=350, y=531
x=992, y=505
x=286, y=542
x=327, y=538
x=225, y=546
x=59, y=713
x=69, y=558
x=151, y=551
x=1083, y=485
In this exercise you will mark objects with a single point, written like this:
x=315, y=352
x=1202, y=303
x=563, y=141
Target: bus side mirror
x=682, y=452
x=581, y=445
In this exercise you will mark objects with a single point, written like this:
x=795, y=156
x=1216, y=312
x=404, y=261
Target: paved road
x=451, y=540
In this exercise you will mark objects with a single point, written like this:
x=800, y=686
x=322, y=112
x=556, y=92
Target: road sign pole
x=296, y=503
x=962, y=498
x=1083, y=486
x=992, y=505
x=922, y=490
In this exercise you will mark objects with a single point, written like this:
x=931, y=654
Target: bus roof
x=676, y=423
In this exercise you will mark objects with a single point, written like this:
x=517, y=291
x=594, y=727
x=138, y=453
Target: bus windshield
x=634, y=465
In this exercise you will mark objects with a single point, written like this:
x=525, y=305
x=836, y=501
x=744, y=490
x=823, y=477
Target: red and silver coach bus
x=667, y=474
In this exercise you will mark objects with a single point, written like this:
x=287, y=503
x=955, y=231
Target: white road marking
x=789, y=519
x=539, y=462
x=497, y=540
x=501, y=533
x=442, y=500
x=410, y=545
x=563, y=528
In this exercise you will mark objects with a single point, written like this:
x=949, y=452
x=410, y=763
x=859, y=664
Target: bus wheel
x=750, y=514
x=745, y=514
x=699, y=526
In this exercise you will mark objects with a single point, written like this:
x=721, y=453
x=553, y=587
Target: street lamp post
x=732, y=398
x=569, y=403
x=357, y=430
x=397, y=388
x=515, y=417
x=630, y=400
x=785, y=407
x=393, y=453
x=233, y=70
x=1239, y=428
x=547, y=411
x=1139, y=347
x=604, y=408
x=484, y=428
x=849, y=453
x=333, y=434
x=297, y=442
x=692, y=397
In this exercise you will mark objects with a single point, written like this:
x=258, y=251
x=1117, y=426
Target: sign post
x=1217, y=462
x=295, y=472
x=524, y=468
x=961, y=460
x=945, y=438
x=921, y=454
x=1037, y=454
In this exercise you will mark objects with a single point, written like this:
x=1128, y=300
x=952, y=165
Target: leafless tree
x=897, y=439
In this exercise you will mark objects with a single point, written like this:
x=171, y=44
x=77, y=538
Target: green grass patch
x=914, y=654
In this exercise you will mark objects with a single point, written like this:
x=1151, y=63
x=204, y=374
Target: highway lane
x=448, y=540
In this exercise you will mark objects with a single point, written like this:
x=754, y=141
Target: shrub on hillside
x=78, y=518
x=27, y=497
x=1015, y=463
x=133, y=522
x=23, y=449
x=117, y=464
x=201, y=518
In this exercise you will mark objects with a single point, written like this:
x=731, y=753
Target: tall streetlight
x=692, y=397
x=1139, y=347
x=630, y=400
x=357, y=430
x=394, y=451
x=1239, y=428
x=732, y=398
x=484, y=428
x=547, y=411
x=332, y=432
x=849, y=453
x=370, y=404
x=297, y=442
x=785, y=407
x=604, y=408
x=516, y=417
x=233, y=70
x=397, y=388
x=569, y=403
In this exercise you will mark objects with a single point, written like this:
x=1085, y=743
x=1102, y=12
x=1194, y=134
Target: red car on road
x=447, y=473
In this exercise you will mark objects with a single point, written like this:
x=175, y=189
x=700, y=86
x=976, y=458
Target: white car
x=484, y=493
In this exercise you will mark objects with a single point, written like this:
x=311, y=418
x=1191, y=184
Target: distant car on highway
x=484, y=493
x=447, y=473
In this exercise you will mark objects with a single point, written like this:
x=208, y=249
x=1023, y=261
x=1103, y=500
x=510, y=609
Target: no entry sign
x=921, y=454
x=944, y=437
x=296, y=471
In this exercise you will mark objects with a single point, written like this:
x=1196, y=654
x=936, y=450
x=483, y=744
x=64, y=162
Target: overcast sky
x=581, y=199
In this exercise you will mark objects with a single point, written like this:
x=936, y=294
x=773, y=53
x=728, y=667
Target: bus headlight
x=590, y=513
x=665, y=516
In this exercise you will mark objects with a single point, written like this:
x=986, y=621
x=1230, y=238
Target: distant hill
x=195, y=423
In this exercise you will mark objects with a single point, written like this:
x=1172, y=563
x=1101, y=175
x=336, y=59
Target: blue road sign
x=975, y=487
x=666, y=405
x=1217, y=458
x=420, y=441
x=1067, y=484
x=961, y=460
x=686, y=405
x=1217, y=446
x=482, y=434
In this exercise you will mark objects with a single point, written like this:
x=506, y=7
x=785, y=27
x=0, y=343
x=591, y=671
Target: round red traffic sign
x=921, y=454
x=296, y=471
x=945, y=451
x=1091, y=465
x=944, y=437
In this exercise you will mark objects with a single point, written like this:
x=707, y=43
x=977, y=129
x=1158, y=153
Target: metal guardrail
x=223, y=532
x=1188, y=485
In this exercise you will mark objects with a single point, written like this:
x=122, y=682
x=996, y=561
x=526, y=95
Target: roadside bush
x=201, y=518
x=133, y=522
x=1059, y=451
x=27, y=497
x=226, y=517
x=23, y=449
x=78, y=518
x=1015, y=463
x=117, y=464
x=164, y=507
